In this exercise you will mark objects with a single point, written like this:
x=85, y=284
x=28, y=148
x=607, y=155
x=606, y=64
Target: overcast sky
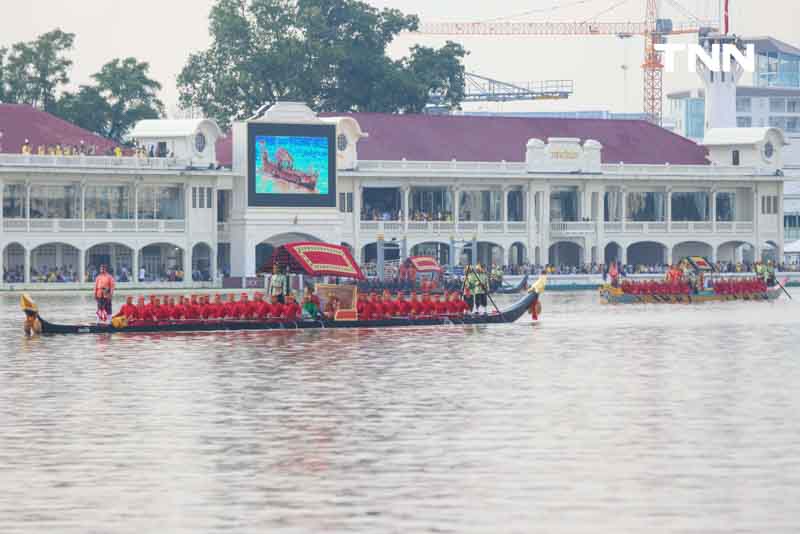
x=164, y=32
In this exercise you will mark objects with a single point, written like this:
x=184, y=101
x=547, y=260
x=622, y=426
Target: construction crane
x=479, y=88
x=654, y=29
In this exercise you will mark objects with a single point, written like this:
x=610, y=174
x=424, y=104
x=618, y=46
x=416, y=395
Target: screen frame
x=290, y=200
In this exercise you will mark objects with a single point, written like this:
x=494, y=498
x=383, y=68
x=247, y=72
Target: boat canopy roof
x=424, y=264
x=700, y=264
x=314, y=259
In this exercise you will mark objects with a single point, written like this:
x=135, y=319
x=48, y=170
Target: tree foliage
x=33, y=71
x=330, y=54
x=37, y=72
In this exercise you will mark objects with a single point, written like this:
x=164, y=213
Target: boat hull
x=511, y=290
x=508, y=315
x=609, y=297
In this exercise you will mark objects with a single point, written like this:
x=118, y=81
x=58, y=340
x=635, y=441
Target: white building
x=523, y=190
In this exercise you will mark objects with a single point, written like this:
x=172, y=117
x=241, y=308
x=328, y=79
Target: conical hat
x=27, y=303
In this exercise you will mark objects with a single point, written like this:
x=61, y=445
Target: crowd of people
x=82, y=149
x=369, y=213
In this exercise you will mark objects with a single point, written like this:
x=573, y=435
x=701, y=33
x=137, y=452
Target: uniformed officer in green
x=278, y=284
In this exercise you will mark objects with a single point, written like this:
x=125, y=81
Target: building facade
x=494, y=190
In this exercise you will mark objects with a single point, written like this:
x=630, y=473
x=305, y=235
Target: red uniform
x=128, y=310
x=403, y=307
x=277, y=309
x=178, y=311
x=441, y=307
x=414, y=306
x=389, y=308
x=263, y=310
x=229, y=309
x=291, y=311
x=161, y=313
x=426, y=307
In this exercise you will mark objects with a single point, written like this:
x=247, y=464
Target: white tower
x=720, y=87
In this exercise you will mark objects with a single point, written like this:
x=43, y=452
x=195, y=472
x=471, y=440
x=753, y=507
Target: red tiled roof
x=472, y=138
x=19, y=122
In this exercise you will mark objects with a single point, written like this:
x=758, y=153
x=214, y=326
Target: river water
x=665, y=418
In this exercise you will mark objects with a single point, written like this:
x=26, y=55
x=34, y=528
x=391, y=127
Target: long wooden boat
x=506, y=289
x=609, y=295
x=507, y=315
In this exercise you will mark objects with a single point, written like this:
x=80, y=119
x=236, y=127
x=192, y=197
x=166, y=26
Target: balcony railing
x=437, y=228
x=572, y=228
x=678, y=227
x=106, y=162
x=94, y=225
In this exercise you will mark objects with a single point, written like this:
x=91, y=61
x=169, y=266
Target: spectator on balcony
x=117, y=152
x=26, y=147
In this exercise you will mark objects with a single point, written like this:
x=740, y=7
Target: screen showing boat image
x=291, y=164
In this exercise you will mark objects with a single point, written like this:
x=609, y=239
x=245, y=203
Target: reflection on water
x=598, y=419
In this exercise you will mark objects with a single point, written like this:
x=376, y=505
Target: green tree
x=329, y=53
x=86, y=108
x=129, y=95
x=34, y=71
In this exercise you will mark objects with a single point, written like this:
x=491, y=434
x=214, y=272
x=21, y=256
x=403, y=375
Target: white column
x=28, y=207
x=504, y=205
x=624, y=194
x=136, y=208
x=669, y=209
x=2, y=221
x=27, y=264
x=188, y=263
x=780, y=241
x=83, y=206
x=212, y=264
x=456, y=204
x=135, y=263
x=356, y=219
x=713, y=210
x=756, y=217
x=81, y=265
x=406, y=197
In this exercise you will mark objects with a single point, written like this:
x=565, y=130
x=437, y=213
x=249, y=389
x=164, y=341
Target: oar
x=784, y=289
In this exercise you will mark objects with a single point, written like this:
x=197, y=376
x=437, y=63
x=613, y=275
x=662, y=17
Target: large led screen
x=291, y=165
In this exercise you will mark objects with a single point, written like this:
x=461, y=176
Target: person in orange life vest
x=413, y=305
x=104, y=286
x=402, y=307
x=276, y=307
x=229, y=309
x=128, y=310
x=291, y=311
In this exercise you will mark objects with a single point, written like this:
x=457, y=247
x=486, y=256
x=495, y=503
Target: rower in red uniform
x=229, y=309
x=276, y=307
x=440, y=307
x=161, y=312
x=402, y=306
x=291, y=311
x=367, y=312
x=263, y=309
x=377, y=306
x=361, y=304
x=243, y=308
x=388, y=305
x=214, y=309
x=414, y=305
x=454, y=304
x=143, y=311
x=128, y=310
x=191, y=310
x=426, y=307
